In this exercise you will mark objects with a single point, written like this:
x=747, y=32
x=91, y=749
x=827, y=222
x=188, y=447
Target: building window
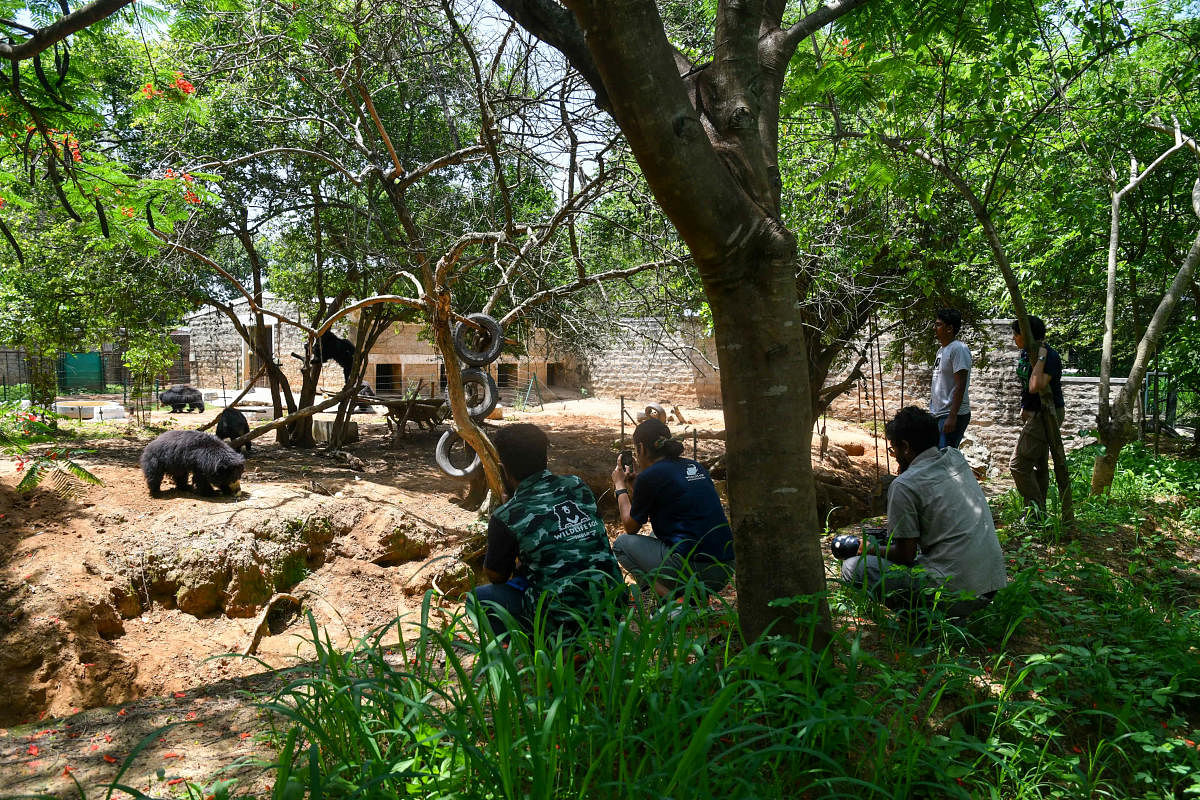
x=506, y=376
x=388, y=378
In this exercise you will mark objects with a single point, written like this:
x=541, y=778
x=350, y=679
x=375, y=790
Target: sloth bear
x=231, y=424
x=179, y=396
x=365, y=390
x=331, y=347
x=178, y=453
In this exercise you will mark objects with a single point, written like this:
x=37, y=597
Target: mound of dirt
x=114, y=594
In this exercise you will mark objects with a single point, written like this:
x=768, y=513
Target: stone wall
x=994, y=392
x=651, y=364
x=220, y=358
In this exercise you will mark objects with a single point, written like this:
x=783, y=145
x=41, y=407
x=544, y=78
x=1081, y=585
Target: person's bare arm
x=494, y=576
x=960, y=391
x=901, y=551
x=622, y=476
x=1038, y=379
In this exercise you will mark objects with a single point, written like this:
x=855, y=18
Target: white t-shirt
x=950, y=359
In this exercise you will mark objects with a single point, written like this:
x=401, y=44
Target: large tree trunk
x=766, y=398
x=706, y=139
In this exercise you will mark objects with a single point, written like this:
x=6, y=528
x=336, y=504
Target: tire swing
x=475, y=347
x=481, y=393
x=452, y=448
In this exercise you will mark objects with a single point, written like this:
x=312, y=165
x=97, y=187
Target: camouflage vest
x=561, y=542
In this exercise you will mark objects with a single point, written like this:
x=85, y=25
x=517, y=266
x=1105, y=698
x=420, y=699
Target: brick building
x=400, y=359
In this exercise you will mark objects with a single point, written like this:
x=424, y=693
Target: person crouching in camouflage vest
x=546, y=545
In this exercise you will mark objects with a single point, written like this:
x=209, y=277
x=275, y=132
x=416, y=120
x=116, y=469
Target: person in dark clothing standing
x=677, y=497
x=547, y=545
x=1030, y=462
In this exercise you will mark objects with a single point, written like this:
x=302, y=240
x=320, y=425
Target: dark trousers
x=495, y=596
x=1030, y=462
x=954, y=438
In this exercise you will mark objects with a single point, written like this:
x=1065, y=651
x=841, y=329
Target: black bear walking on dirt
x=232, y=424
x=179, y=396
x=331, y=347
x=208, y=460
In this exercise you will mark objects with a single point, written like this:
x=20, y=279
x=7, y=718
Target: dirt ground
x=99, y=648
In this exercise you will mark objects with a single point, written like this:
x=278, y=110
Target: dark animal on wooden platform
x=365, y=390
x=206, y=459
x=179, y=396
x=232, y=424
x=331, y=347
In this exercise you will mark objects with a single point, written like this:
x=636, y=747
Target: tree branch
x=47, y=37
x=557, y=27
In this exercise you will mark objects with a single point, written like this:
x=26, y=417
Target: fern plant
x=18, y=427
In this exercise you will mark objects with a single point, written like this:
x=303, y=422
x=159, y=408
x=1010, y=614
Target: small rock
x=198, y=600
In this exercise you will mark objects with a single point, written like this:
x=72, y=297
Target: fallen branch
x=290, y=418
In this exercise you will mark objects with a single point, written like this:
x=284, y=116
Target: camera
x=844, y=546
x=626, y=459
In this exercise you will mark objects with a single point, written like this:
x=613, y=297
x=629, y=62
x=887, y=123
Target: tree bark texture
x=1120, y=429
x=705, y=137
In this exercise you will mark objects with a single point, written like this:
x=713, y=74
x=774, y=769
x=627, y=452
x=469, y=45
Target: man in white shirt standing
x=948, y=400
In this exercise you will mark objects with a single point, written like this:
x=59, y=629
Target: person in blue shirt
x=677, y=497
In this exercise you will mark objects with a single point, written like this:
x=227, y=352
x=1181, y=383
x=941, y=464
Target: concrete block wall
x=220, y=356
x=994, y=392
x=650, y=364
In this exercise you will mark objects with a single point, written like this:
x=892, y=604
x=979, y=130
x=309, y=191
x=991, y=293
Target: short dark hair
x=656, y=437
x=1036, y=327
x=914, y=425
x=951, y=317
x=522, y=449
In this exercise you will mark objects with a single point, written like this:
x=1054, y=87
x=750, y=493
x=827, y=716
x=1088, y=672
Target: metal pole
x=1157, y=432
x=622, y=422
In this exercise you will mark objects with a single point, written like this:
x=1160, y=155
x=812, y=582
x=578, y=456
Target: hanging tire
x=481, y=392
x=452, y=448
x=475, y=347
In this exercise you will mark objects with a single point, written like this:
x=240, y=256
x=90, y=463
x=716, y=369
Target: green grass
x=1081, y=680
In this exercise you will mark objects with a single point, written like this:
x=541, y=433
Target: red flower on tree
x=182, y=84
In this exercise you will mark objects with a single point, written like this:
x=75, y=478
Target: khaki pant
x=1030, y=462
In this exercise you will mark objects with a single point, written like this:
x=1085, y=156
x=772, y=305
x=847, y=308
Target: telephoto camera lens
x=844, y=546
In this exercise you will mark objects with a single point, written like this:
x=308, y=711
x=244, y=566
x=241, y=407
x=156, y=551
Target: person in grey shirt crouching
x=941, y=544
